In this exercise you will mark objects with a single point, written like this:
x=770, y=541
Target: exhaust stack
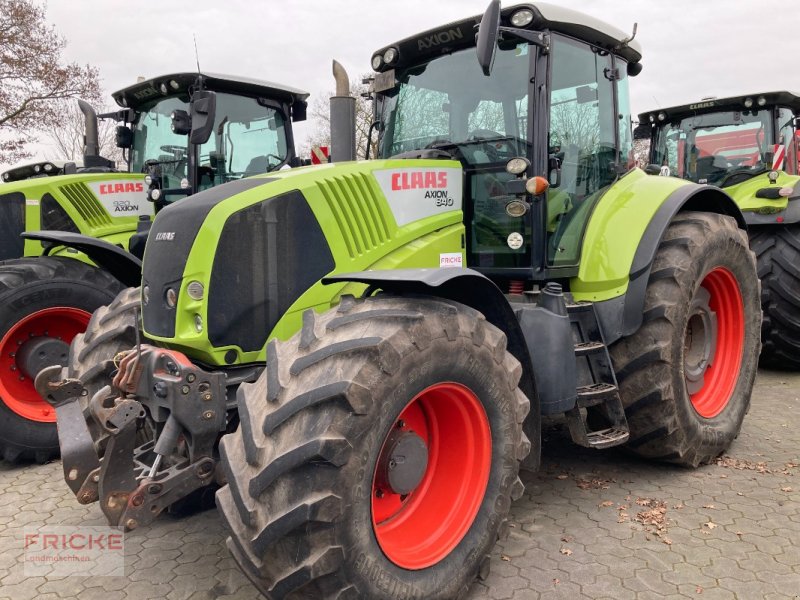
x=343, y=118
x=91, y=145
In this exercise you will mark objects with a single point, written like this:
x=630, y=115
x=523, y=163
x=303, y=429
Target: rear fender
x=623, y=315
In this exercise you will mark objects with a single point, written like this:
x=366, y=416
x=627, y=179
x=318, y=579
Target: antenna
x=196, y=55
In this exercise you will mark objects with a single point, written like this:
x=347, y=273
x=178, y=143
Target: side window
x=787, y=137
x=626, y=156
x=582, y=138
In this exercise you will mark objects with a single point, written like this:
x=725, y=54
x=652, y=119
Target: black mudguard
x=118, y=262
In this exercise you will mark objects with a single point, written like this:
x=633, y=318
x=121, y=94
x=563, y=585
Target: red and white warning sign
x=319, y=155
x=779, y=154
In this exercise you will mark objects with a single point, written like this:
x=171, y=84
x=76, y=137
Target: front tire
x=315, y=507
x=777, y=251
x=686, y=375
x=44, y=301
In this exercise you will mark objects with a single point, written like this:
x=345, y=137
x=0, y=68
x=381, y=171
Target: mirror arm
x=537, y=38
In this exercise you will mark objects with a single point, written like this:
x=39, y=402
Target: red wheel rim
x=417, y=530
x=16, y=389
x=721, y=375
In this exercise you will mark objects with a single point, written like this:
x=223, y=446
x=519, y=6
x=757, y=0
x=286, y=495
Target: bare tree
x=33, y=75
x=320, y=118
x=68, y=138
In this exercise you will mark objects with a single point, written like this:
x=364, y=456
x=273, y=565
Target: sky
x=691, y=48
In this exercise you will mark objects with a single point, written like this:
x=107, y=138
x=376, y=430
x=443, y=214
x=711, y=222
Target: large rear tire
x=777, y=251
x=686, y=375
x=44, y=302
x=328, y=494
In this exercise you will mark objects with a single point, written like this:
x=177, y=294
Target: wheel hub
x=403, y=462
x=700, y=341
x=39, y=352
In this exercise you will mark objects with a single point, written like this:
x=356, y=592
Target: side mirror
x=299, y=110
x=124, y=136
x=554, y=172
x=204, y=109
x=642, y=131
x=181, y=122
x=486, y=41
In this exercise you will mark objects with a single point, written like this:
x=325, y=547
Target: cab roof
x=461, y=34
x=710, y=105
x=144, y=91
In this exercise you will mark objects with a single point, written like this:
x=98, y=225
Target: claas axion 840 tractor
x=747, y=145
x=180, y=133
x=366, y=411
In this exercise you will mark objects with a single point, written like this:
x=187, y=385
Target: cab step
x=598, y=390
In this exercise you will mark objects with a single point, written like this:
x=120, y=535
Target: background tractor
x=366, y=409
x=181, y=133
x=748, y=146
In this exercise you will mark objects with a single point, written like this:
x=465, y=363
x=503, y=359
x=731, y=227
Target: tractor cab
x=725, y=141
x=554, y=101
x=189, y=131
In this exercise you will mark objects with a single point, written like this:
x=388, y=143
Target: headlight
x=163, y=88
x=652, y=118
x=195, y=290
x=48, y=167
x=522, y=17
x=377, y=61
x=662, y=116
x=516, y=208
x=37, y=168
x=748, y=102
x=761, y=101
x=517, y=165
x=173, y=84
x=155, y=194
x=390, y=56
x=148, y=181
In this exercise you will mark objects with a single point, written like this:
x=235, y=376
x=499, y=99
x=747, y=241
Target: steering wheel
x=173, y=149
x=483, y=134
x=278, y=160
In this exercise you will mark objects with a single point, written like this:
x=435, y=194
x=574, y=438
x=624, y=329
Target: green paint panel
x=359, y=227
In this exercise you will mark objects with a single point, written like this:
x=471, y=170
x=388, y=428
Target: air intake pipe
x=343, y=118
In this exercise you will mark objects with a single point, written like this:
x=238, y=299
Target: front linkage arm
x=101, y=456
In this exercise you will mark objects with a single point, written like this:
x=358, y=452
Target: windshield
x=153, y=139
x=248, y=138
x=714, y=148
x=449, y=104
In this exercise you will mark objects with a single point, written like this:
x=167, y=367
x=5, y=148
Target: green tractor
x=180, y=133
x=366, y=385
x=747, y=145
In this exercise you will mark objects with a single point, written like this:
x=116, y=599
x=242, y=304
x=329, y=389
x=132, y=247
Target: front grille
x=355, y=203
x=12, y=224
x=90, y=210
x=268, y=255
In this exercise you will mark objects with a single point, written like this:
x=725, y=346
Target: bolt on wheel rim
x=420, y=523
x=16, y=387
x=714, y=343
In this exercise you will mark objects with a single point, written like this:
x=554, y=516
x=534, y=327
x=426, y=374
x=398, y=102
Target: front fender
x=118, y=262
x=461, y=285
